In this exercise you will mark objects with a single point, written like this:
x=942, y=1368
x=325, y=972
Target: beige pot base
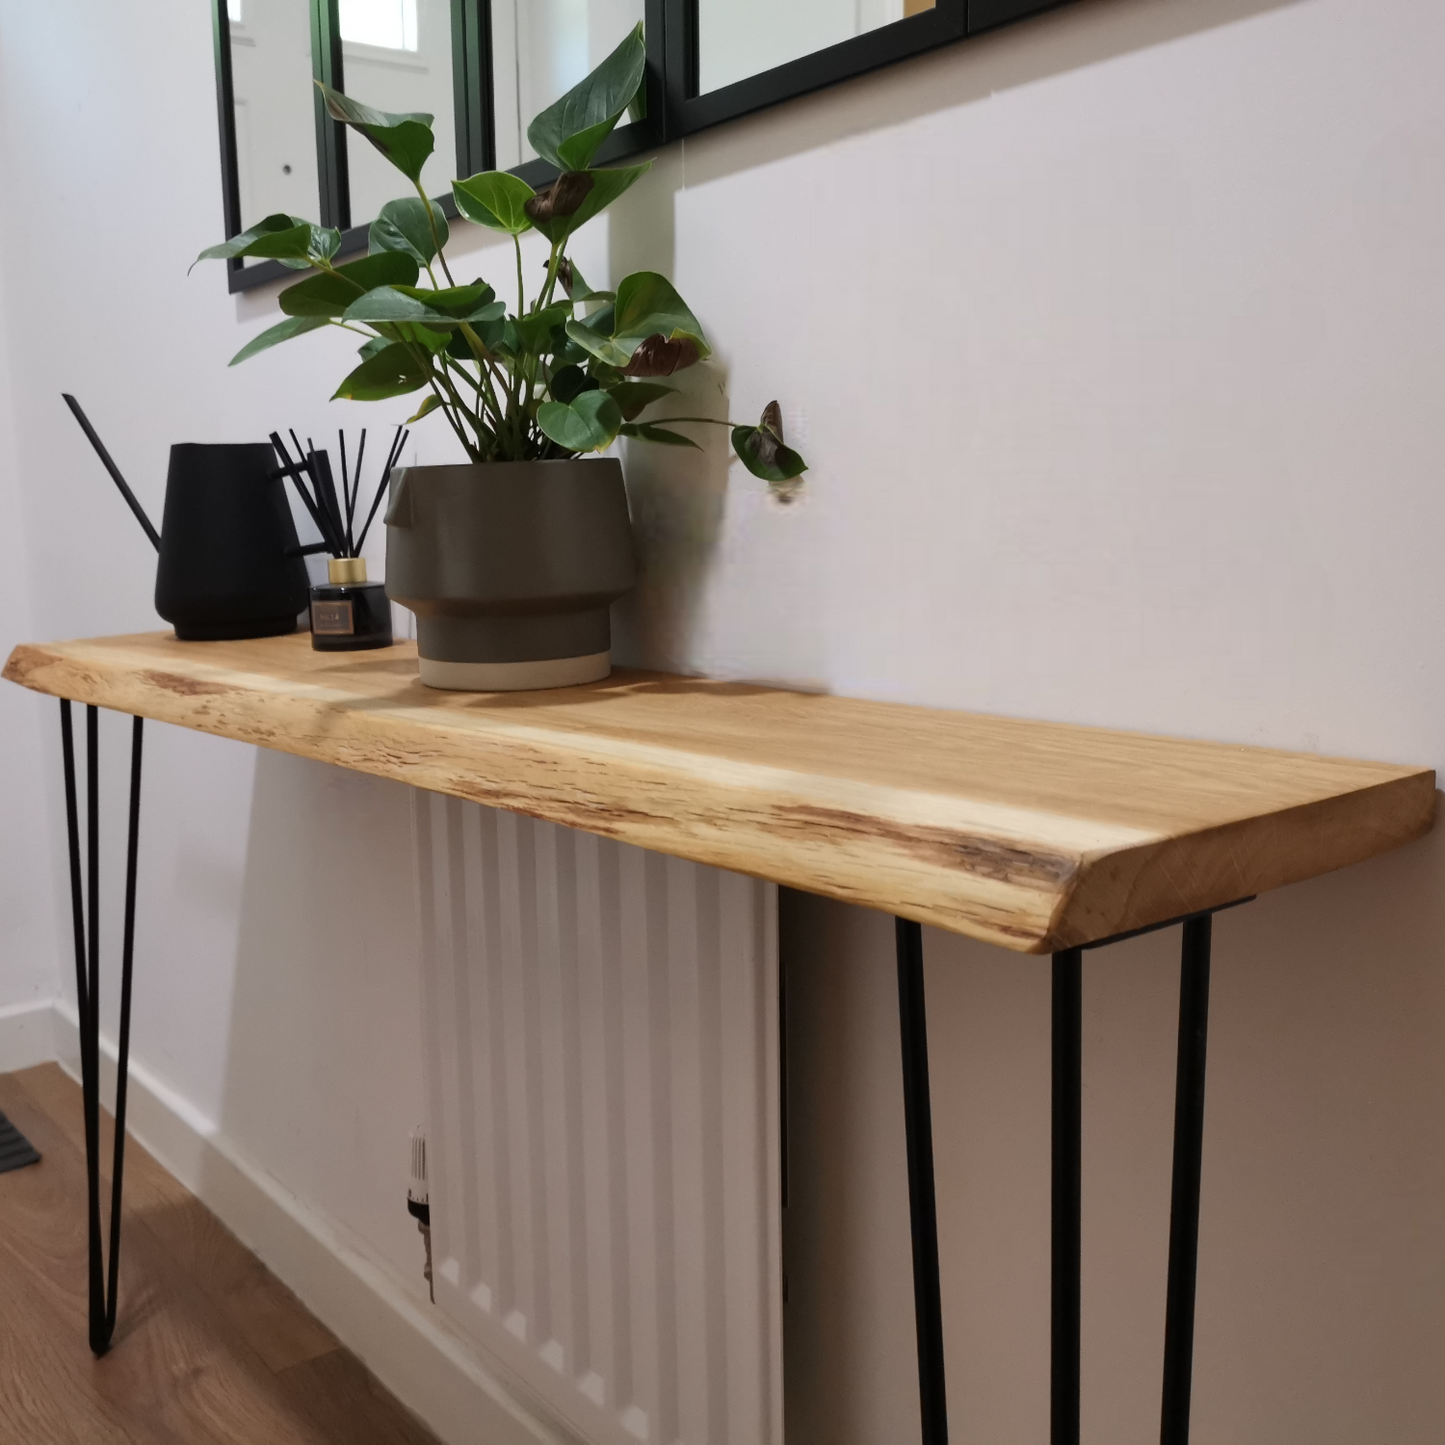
x=515, y=676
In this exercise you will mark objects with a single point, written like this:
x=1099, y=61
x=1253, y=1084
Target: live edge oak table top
x=1036, y=836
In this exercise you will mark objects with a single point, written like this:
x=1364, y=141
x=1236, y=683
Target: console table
x=1038, y=837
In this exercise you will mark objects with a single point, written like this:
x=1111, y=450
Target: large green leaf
x=289, y=239
x=462, y=301
x=607, y=185
x=588, y=423
x=568, y=382
x=406, y=140
x=536, y=331
x=761, y=448
x=496, y=199
x=646, y=432
x=603, y=348
x=403, y=225
x=648, y=305
x=330, y=293
x=601, y=321
x=397, y=304
x=459, y=348
x=281, y=331
x=634, y=397
x=648, y=331
x=393, y=371
x=434, y=341
x=570, y=130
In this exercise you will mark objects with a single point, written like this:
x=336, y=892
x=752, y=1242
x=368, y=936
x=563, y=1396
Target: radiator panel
x=603, y=1094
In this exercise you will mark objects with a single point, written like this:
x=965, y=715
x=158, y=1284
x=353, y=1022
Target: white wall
x=1114, y=342
x=30, y=945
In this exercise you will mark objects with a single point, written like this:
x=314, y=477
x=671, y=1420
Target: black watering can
x=229, y=564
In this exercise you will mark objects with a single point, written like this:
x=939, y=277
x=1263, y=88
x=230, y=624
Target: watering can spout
x=110, y=466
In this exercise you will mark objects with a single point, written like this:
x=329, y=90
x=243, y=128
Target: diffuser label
x=332, y=619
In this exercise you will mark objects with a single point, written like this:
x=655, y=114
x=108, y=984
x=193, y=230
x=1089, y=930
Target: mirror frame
x=673, y=106
x=688, y=112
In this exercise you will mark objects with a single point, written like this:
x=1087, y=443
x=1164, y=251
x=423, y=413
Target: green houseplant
x=510, y=561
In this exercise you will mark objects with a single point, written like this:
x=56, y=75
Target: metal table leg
x=1067, y=1233
x=1188, y=1159
x=103, y=1290
x=1067, y=1192
x=923, y=1209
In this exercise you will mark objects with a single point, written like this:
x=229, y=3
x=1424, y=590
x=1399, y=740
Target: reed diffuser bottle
x=348, y=613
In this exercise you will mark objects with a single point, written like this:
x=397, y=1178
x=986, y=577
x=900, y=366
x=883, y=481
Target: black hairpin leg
x=1067, y=1237
x=923, y=1209
x=103, y=1292
x=1188, y=1157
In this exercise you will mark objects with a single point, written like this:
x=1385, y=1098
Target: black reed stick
x=295, y=471
x=356, y=488
x=392, y=457
x=326, y=486
x=348, y=503
x=114, y=470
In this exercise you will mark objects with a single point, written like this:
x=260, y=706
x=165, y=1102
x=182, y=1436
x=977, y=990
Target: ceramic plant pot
x=511, y=569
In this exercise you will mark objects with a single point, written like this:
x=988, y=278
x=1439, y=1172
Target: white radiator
x=603, y=1091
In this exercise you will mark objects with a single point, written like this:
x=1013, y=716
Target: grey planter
x=511, y=569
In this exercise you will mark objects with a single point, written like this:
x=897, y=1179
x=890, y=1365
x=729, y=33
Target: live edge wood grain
x=1037, y=836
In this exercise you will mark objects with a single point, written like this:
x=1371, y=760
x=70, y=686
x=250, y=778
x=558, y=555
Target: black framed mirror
x=269, y=157
x=728, y=58
x=280, y=151
x=484, y=68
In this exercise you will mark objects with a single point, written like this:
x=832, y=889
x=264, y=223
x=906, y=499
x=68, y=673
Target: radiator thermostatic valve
x=418, y=1200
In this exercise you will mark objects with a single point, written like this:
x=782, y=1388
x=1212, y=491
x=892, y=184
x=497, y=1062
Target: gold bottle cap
x=346, y=571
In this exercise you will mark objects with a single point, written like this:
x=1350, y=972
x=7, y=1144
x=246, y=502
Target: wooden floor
x=209, y=1346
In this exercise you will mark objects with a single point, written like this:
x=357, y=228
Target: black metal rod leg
x=90, y=1030
x=122, y=1075
x=85, y=913
x=1188, y=1159
x=1067, y=1196
x=923, y=1208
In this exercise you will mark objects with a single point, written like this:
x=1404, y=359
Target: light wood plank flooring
x=209, y=1345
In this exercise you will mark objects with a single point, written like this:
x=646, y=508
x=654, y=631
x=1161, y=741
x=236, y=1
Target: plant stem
x=436, y=239
x=521, y=291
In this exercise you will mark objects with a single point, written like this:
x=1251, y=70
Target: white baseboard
x=27, y=1035
x=412, y=1349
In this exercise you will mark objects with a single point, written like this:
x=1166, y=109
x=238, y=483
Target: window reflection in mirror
x=542, y=48
x=739, y=38
x=275, y=120
x=396, y=55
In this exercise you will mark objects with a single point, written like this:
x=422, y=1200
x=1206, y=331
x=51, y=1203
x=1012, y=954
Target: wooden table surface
x=1037, y=836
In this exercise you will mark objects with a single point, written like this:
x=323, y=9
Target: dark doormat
x=16, y=1151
